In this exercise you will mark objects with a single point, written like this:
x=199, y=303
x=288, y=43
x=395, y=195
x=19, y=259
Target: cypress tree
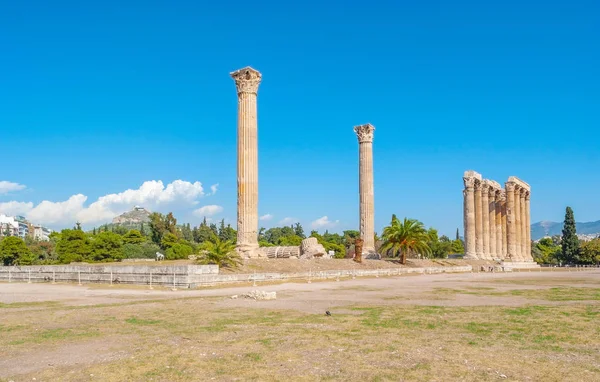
x=457, y=235
x=570, y=242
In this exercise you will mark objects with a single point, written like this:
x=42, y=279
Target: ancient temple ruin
x=497, y=221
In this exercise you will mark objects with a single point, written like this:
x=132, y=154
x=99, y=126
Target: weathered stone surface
x=310, y=248
x=261, y=295
x=280, y=252
x=247, y=81
x=496, y=221
x=365, y=134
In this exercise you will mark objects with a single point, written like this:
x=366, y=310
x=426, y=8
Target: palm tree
x=217, y=251
x=405, y=237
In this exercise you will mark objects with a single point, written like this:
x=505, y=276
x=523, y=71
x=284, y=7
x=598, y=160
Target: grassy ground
x=553, y=334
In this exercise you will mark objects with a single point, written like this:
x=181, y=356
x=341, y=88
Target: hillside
x=546, y=228
x=136, y=216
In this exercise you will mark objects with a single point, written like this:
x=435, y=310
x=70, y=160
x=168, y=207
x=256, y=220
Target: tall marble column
x=485, y=214
x=528, y=220
x=523, y=226
x=478, y=222
x=511, y=225
x=366, y=192
x=247, y=81
x=518, y=225
x=469, y=217
x=498, y=222
x=492, y=216
x=504, y=228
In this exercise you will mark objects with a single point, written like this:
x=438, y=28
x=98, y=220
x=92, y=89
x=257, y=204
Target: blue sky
x=97, y=98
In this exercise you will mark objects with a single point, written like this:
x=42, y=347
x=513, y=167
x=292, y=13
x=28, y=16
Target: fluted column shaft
x=492, y=220
x=523, y=226
x=504, y=228
x=247, y=81
x=528, y=232
x=519, y=225
x=366, y=188
x=485, y=215
x=469, y=218
x=478, y=222
x=511, y=225
x=498, y=223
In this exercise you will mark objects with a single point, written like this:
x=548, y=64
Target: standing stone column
x=247, y=81
x=485, y=215
x=478, y=222
x=519, y=224
x=524, y=255
x=504, y=225
x=366, y=192
x=498, y=223
x=528, y=215
x=511, y=225
x=492, y=216
x=469, y=217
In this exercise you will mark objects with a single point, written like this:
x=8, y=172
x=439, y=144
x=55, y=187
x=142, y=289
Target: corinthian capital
x=510, y=186
x=364, y=132
x=469, y=182
x=247, y=80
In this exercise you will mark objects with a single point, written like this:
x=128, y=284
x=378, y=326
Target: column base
x=520, y=264
x=249, y=251
x=370, y=254
x=470, y=256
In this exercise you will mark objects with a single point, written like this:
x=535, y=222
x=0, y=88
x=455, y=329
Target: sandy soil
x=93, y=336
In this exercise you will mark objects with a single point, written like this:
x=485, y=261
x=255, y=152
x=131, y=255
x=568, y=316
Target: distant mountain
x=546, y=228
x=136, y=216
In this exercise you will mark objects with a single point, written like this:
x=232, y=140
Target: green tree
x=107, y=246
x=221, y=253
x=168, y=241
x=186, y=232
x=142, y=230
x=458, y=247
x=590, y=252
x=133, y=237
x=73, y=246
x=570, y=242
x=144, y=250
x=457, y=235
x=14, y=251
x=94, y=231
x=178, y=251
x=203, y=233
x=439, y=247
x=299, y=231
x=43, y=251
x=405, y=238
x=546, y=251
x=160, y=225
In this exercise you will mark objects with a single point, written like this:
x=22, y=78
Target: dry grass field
x=472, y=327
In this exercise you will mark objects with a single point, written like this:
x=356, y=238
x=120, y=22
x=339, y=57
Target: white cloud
x=6, y=187
x=213, y=189
x=266, y=217
x=324, y=222
x=288, y=221
x=15, y=208
x=153, y=195
x=209, y=210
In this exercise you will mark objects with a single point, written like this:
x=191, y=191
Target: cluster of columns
x=497, y=221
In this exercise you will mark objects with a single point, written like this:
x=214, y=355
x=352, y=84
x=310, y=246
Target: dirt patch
x=426, y=327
